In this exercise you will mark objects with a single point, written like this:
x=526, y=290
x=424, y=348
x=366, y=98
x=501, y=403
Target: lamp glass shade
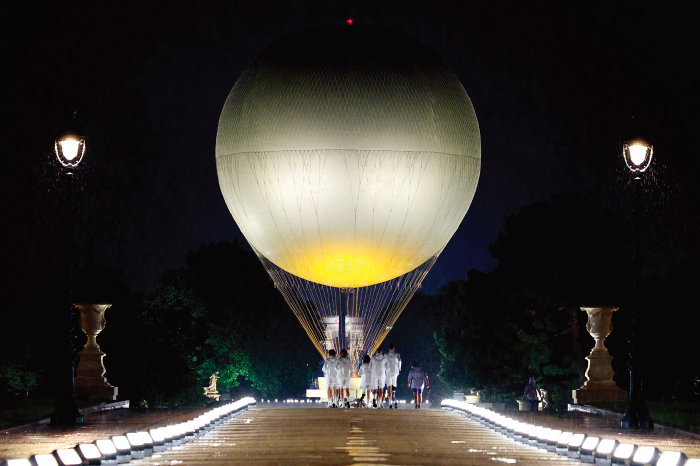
x=70, y=150
x=637, y=155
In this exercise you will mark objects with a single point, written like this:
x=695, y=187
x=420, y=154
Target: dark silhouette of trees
x=221, y=314
x=524, y=318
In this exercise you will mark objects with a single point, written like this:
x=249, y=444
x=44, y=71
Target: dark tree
x=524, y=318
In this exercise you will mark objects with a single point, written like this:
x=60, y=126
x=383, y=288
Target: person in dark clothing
x=532, y=394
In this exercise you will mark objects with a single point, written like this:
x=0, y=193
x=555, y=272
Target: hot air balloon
x=348, y=156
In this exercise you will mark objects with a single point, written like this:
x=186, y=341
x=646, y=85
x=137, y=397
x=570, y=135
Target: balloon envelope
x=348, y=156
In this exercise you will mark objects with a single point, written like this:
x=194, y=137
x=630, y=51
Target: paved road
x=359, y=436
x=311, y=434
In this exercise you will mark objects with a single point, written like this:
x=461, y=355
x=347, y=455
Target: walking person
x=378, y=371
x=344, y=372
x=365, y=380
x=532, y=394
x=393, y=367
x=417, y=381
x=330, y=371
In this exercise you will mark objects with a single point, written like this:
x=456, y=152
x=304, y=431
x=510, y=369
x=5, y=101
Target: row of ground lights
x=588, y=449
x=311, y=401
x=134, y=445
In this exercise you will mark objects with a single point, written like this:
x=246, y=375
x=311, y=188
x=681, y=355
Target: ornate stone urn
x=599, y=384
x=90, y=382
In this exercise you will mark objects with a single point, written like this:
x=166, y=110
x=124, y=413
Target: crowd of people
x=378, y=379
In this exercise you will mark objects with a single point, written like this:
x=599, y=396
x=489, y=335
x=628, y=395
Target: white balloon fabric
x=348, y=156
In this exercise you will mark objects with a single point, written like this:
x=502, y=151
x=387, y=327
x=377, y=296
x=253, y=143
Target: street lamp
x=637, y=154
x=69, y=149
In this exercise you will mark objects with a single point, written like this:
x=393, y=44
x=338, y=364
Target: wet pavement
x=24, y=441
x=297, y=434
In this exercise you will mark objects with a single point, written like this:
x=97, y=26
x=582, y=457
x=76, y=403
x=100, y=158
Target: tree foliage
x=219, y=314
x=16, y=378
x=524, y=318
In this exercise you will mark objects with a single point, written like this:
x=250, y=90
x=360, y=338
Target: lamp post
x=69, y=149
x=637, y=154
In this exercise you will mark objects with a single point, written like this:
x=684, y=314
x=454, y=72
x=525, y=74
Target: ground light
x=671, y=458
x=623, y=453
x=646, y=456
x=16, y=462
x=603, y=454
x=588, y=449
x=43, y=460
x=67, y=457
x=107, y=450
x=139, y=444
x=89, y=453
x=573, y=448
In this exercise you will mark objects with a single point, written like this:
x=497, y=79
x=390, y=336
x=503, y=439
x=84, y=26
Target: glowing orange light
x=349, y=21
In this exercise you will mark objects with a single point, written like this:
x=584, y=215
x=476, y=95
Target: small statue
x=212, y=382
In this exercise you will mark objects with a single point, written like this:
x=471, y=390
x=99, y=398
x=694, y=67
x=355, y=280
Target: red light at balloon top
x=349, y=21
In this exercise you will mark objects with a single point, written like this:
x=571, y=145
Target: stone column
x=599, y=384
x=90, y=382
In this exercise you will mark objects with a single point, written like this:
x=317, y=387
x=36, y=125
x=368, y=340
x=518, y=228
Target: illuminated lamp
x=67, y=457
x=672, y=458
x=563, y=442
x=637, y=154
x=195, y=427
x=531, y=432
x=500, y=425
x=107, y=450
x=69, y=149
x=573, y=448
x=588, y=449
x=645, y=456
x=168, y=436
x=181, y=429
x=123, y=448
x=605, y=450
x=190, y=431
x=15, y=462
x=692, y=462
x=519, y=429
x=44, y=459
x=623, y=453
x=146, y=440
x=542, y=435
x=510, y=427
x=89, y=453
x=552, y=438
x=523, y=431
x=202, y=423
x=138, y=447
x=158, y=437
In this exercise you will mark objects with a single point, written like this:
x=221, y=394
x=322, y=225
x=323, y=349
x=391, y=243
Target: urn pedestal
x=599, y=384
x=90, y=382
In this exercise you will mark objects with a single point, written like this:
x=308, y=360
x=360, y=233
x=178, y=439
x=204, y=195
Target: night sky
x=557, y=87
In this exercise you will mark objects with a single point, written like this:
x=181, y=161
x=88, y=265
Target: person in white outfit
x=378, y=371
x=330, y=371
x=365, y=379
x=393, y=367
x=344, y=371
